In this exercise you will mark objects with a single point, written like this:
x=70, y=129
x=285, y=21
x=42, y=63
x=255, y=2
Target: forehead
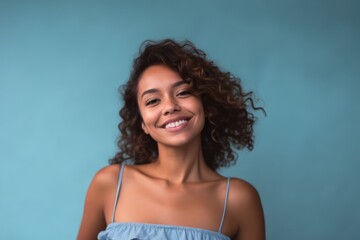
x=157, y=76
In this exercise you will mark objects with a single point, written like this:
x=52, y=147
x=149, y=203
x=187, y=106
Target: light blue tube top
x=147, y=231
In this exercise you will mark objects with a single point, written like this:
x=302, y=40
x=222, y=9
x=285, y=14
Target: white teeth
x=175, y=124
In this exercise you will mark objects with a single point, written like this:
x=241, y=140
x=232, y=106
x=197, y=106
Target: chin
x=180, y=142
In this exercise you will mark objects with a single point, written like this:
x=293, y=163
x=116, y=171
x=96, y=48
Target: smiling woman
x=181, y=119
x=171, y=115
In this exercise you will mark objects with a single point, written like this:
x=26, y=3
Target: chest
x=194, y=205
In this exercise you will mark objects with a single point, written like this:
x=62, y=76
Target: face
x=171, y=114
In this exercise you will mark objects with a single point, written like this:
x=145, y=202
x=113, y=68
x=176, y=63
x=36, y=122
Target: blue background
x=61, y=63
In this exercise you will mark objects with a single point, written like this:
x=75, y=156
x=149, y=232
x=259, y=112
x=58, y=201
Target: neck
x=181, y=164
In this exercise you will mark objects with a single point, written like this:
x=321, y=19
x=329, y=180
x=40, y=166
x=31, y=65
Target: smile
x=176, y=123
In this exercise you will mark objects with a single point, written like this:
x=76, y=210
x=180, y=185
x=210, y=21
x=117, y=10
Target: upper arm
x=249, y=211
x=93, y=220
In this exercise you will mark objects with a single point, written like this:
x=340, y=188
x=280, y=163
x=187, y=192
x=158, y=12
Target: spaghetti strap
x=118, y=191
x=225, y=204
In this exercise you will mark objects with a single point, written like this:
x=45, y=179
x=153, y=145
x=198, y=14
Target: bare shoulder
x=106, y=177
x=103, y=182
x=246, y=210
x=242, y=192
x=93, y=219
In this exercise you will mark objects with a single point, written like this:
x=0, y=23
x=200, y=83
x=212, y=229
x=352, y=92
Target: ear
x=144, y=128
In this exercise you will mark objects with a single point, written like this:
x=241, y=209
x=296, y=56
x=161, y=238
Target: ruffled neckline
x=115, y=225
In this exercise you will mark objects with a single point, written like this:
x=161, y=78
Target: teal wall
x=61, y=63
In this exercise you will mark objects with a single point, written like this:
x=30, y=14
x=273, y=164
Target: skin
x=179, y=184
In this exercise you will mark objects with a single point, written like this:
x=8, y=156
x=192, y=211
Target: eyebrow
x=154, y=90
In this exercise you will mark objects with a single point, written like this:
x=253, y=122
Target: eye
x=151, y=102
x=183, y=93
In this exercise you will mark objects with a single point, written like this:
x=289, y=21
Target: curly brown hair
x=228, y=109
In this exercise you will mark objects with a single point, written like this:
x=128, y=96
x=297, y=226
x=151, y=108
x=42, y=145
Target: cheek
x=202, y=113
x=148, y=117
x=200, y=108
x=144, y=114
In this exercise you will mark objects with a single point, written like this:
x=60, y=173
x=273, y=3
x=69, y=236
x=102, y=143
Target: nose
x=170, y=106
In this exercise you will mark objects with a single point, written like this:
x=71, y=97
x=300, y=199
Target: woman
x=180, y=120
